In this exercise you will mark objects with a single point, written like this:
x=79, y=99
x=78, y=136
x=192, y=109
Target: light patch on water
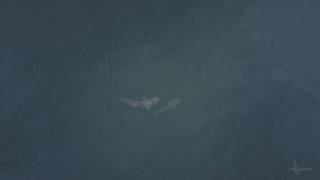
x=170, y=105
x=145, y=103
x=148, y=103
x=298, y=170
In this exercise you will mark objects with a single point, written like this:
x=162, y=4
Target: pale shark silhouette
x=297, y=170
x=145, y=103
x=170, y=105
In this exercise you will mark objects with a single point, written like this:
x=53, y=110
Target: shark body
x=170, y=105
x=297, y=170
x=145, y=103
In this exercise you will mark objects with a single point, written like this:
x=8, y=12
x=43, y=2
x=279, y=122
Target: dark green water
x=246, y=74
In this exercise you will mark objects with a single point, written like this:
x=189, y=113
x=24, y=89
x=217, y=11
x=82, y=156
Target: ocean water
x=238, y=84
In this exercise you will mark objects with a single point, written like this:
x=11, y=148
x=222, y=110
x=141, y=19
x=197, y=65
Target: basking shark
x=145, y=103
x=170, y=105
x=297, y=170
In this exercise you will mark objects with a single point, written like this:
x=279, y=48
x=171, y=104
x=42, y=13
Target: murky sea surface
x=212, y=89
